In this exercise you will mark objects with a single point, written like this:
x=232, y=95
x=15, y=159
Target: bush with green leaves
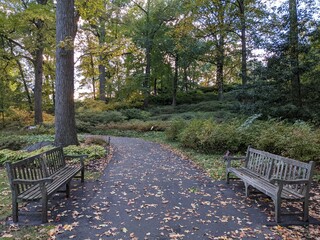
x=12, y=143
x=135, y=113
x=7, y=155
x=92, y=151
x=100, y=117
x=299, y=141
x=175, y=128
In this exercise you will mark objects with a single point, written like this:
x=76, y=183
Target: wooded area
x=261, y=55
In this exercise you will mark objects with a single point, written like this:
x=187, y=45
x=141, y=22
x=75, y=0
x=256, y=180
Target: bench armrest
x=230, y=158
x=32, y=182
x=81, y=157
x=227, y=158
x=295, y=181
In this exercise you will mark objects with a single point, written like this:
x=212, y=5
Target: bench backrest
x=54, y=160
x=268, y=166
x=35, y=167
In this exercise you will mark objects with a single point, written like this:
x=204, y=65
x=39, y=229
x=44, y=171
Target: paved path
x=148, y=192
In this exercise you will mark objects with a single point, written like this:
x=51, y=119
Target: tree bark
x=220, y=66
x=38, y=71
x=146, y=82
x=294, y=54
x=102, y=68
x=65, y=126
x=244, y=74
x=175, y=81
x=25, y=85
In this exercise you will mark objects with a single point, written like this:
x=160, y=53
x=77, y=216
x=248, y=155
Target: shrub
x=7, y=155
x=136, y=125
x=100, y=117
x=174, y=129
x=93, y=151
x=12, y=143
x=134, y=113
x=189, y=137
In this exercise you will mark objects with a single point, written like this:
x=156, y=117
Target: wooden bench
x=41, y=176
x=278, y=177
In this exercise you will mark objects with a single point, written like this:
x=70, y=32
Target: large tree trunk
x=244, y=74
x=175, y=81
x=65, y=126
x=38, y=71
x=294, y=54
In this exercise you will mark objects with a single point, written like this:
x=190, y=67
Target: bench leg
x=246, y=188
x=68, y=189
x=15, y=211
x=277, y=208
x=305, y=211
x=228, y=177
x=82, y=175
x=44, y=209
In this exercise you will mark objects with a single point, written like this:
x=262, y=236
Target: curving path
x=148, y=192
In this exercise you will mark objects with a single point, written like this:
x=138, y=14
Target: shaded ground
x=148, y=192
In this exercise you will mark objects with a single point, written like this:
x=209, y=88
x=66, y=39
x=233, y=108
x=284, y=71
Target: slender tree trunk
x=244, y=74
x=155, y=87
x=294, y=54
x=38, y=71
x=25, y=85
x=65, y=126
x=146, y=82
x=175, y=81
x=220, y=65
x=185, y=78
x=102, y=68
x=92, y=77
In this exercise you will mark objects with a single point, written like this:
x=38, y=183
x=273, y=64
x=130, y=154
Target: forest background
x=213, y=75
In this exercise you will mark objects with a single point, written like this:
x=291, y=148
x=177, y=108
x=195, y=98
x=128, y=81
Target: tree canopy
x=155, y=51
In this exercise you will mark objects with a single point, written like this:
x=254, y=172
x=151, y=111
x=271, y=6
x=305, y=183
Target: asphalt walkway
x=149, y=192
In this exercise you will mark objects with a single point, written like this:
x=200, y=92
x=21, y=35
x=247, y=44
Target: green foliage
x=93, y=151
x=299, y=141
x=134, y=113
x=7, y=155
x=175, y=128
x=136, y=125
x=12, y=143
x=100, y=117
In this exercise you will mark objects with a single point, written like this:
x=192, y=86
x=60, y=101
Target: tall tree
x=294, y=53
x=66, y=25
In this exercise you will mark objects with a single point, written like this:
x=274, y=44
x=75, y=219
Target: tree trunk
x=244, y=74
x=146, y=81
x=102, y=68
x=294, y=54
x=25, y=85
x=155, y=92
x=92, y=77
x=175, y=82
x=220, y=65
x=38, y=71
x=185, y=78
x=65, y=126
